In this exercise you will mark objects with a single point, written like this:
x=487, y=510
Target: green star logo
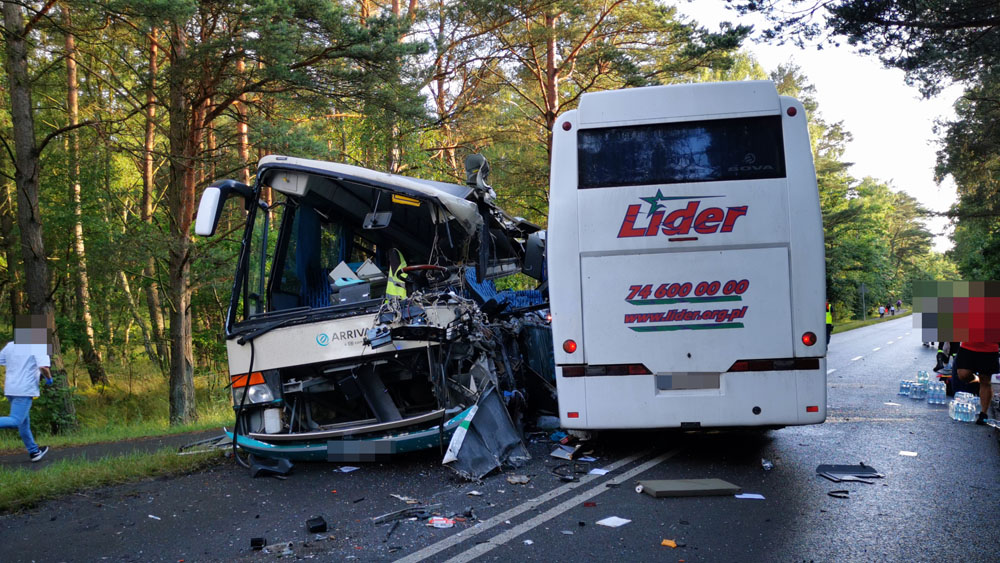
x=654, y=201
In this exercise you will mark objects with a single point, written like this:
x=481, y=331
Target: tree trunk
x=242, y=129
x=9, y=249
x=184, y=138
x=91, y=356
x=152, y=288
x=551, y=80
x=26, y=173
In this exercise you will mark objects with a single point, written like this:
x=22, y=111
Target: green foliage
x=933, y=42
x=48, y=415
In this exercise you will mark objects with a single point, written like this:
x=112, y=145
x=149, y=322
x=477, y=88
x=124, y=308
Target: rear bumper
x=746, y=399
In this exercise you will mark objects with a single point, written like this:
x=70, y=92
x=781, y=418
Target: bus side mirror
x=212, y=200
x=534, y=256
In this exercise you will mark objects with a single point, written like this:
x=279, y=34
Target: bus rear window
x=748, y=148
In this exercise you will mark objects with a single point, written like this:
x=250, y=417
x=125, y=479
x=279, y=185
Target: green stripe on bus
x=661, y=328
x=717, y=299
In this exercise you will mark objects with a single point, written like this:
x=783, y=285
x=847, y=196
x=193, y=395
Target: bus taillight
x=808, y=339
x=569, y=346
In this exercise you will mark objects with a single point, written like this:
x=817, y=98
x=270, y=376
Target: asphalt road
x=939, y=505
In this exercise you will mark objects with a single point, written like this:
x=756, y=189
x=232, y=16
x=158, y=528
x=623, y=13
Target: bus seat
x=483, y=292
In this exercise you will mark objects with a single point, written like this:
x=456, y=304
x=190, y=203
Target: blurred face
x=31, y=329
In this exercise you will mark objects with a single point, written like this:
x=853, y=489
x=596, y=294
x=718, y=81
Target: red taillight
x=573, y=371
x=569, y=346
x=567, y=125
x=791, y=112
x=813, y=408
x=572, y=415
x=808, y=339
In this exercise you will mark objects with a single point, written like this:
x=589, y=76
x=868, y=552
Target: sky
x=892, y=125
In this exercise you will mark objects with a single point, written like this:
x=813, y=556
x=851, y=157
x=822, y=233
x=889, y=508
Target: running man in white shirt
x=26, y=360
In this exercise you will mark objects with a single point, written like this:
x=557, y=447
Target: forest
x=116, y=114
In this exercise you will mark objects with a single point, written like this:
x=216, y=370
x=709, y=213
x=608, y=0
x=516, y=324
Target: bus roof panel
x=450, y=196
x=636, y=106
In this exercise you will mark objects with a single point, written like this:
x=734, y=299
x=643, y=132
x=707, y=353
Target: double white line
x=504, y=537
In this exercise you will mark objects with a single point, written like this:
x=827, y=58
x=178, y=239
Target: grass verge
x=10, y=442
x=23, y=488
x=851, y=325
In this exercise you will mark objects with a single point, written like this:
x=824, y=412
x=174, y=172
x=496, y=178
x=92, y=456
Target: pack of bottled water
x=904, y=387
x=923, y=376
x=937, y=393
x=964, y=408
x=918, y=391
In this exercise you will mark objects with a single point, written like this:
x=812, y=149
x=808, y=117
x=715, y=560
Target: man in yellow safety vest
x=396, y=287
x=829, y=323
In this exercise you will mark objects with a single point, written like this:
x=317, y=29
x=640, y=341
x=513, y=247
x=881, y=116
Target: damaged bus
x=366, y=322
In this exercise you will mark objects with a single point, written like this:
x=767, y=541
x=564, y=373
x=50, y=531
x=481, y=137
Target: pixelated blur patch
x=957, y=311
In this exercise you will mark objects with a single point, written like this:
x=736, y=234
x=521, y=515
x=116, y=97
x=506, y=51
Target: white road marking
x=876, y=349
x=856, y=358
x=489, y=523
x=829, y=371
x=512, y=533
x=890, y=342
x=899, y=338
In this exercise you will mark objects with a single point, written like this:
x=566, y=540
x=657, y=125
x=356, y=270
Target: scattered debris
x=518, y=479
x=568, y=472
x=257, y=544
x=566, y=532
x=838, y=473
x=154, y=517
x=558, y=436
x=412, y=512
x=357, y=500
x=529, y=542
x=565, y=452
x=907, y=454
x=613, y=522
x=842, y=493
x=589, y=504
x=687, y=487
x=485, y=439
x=474, y=494
x=267, y=466
x=347, y=468
x=391, y=530
x=750, y=496
x=316, y=525
x=852, y=478
x=407, y=500
x=596, y=471
x=891, y=404
x=588, y=458
x=669, y=543
x=547, y=422
x=766, y=464
x=440, y=522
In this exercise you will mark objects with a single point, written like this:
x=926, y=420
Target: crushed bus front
x=364, y=321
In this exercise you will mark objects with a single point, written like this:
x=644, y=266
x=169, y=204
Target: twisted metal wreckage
x=367, y=324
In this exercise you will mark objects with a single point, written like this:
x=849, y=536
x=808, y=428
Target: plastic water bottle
x=904, y=387
x=922, y=376
x=952, y=405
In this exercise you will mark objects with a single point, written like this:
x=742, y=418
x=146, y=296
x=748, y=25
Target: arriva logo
x=679, y=222
x=322, y=339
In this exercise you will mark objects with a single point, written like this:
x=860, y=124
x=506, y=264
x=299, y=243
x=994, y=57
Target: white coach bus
x=686, y=260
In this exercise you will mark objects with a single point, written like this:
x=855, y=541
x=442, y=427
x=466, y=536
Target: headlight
x=258, y=394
